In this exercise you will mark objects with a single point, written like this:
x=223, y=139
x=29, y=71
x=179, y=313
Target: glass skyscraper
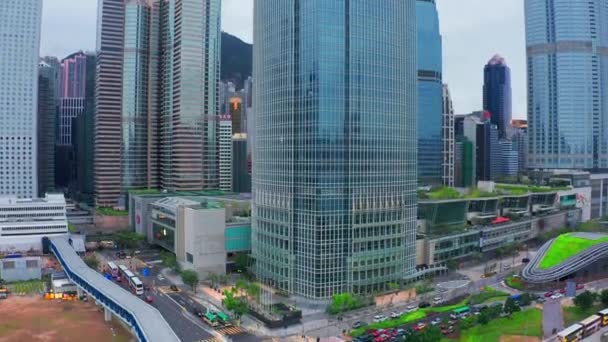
x=334, y=174
x=430, y=95
x=567, y=50
x=497, y=93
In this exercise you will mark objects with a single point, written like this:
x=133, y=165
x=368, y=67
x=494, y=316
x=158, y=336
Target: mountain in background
x=237, y=59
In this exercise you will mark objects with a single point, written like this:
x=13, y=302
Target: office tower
x=190, y=75
x=448, y=137
x=430, y=90
x=139, y=96
x=83, y=127
x=241, y=178
x=248, y=88
x=108, y=101
x=497, y=93
x=49, y=76
x=507, y=161
x=334, y=177
x=478, y=129
x=20, y=22
x=520, y=139
x=236, y=113
x=225, y=152
x=567, y=99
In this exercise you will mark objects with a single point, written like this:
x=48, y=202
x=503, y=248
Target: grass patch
x=26, y=287
x=487, y=295
x=514, y=282
x=526, y=323
x=408, y=318
x=566, y=246
x=573, y=314
x=105, y=211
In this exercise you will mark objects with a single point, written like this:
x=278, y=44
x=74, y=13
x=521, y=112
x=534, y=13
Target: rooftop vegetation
x=564, y=247
x=105, y=211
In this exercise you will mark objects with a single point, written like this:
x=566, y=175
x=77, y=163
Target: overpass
x=146, y=321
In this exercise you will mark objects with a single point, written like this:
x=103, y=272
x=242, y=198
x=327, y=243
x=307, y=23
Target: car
x=549, y=294
x=436, y=321
x=411, y=308
x=452, y=322
x=359, y=324
x=506, y=267
x=379, y=318
x=149, y=299
x=395, y=314
x=424, y=305
x=420, y=326
x=378, y=332
x=121, y=254
x=437, y=300
x=173, y=288
x=580, y=286
x=160, y=277
x=198, y=312
x=525, y=260
x=562, y=291
x=540, y=300
x=557, y=296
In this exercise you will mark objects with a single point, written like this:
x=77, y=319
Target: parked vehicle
x=379, y=318
x=198, y=312
x=580, y=286
x=549, y=294
x=411, y=308
x=395, y=314
x=557, y=296
x=437, y=300
x=420, y=326
x=359, y=324
x=436, y=321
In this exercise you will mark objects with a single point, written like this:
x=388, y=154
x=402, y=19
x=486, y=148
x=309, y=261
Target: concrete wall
x=17, y=269
x=204, y=239
x=583, y=200
x=10, y=244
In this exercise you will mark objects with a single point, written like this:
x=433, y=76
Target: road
x=553, y=320
x=178, y=307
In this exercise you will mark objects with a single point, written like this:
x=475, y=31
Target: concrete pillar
x=79, y=292
x=107, y=314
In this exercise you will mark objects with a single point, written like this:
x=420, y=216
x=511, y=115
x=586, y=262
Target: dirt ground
x=515, y=338
x=37, y=320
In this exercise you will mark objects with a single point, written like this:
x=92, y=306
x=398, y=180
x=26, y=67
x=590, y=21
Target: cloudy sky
x=473, y=31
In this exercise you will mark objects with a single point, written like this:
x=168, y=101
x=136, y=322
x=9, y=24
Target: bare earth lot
x=37, y=320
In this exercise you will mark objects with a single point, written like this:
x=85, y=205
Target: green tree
x=253, y=291
x=170, y=260
x=430, y=334
x=511, y=306
x=190, y=278
x=484, y=317
x=241, y=285
x=128, y=238
x=237, y=305
x=526, y=299
x=213, y=278
x=604, y=297
x=584, y=300
x=92, y=261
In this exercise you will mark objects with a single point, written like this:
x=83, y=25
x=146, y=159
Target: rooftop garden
x=106, y=211
x=447, y=193
x=564, y=247
x=522, y=189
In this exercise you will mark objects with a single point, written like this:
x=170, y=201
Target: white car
x=437, y=300
x=411, y=308
x=395, y=314
x=557, y=296
x=379, y=318
x=436, y=321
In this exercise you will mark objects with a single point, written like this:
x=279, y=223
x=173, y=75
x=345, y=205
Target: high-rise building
x=334, y=176
x=507, y=163
x=225, y=152
x=241, y=178
x=108, y=102
x=139, y=96
x=520, y=139
x=448, y=138
x=567, y=73
x=20, y=22
x=190, y=52
x=430, y=95
x=49, y=71
x=497, y=93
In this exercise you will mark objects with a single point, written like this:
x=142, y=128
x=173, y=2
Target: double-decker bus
x=136, y=285
x=572, y=333
x=604, y=315
x=591, y=325
x=113, y=269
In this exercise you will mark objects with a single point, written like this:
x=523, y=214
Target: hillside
x=236, y=59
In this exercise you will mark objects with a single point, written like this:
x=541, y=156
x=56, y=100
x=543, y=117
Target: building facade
x=430, y=90
x=497, y=93
x=20, y=22
x=190, y=52
x=334, y=176
x=48, y=112
x=241, y=178
x=225, y=152
x=108, y=102
x=448, y=137
x=23, y=222
x=567, y=74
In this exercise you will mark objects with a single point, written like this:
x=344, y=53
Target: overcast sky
x=473, y=31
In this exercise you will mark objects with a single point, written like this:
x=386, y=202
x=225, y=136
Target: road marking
x=213, y=339
x=231, y=331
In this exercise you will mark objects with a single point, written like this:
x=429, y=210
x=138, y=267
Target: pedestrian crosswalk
x=231, y=331
x=213, y=339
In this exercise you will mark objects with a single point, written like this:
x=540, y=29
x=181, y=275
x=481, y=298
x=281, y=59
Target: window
x=189, y=258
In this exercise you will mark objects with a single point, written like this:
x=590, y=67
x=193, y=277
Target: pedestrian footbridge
x=146, y=321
